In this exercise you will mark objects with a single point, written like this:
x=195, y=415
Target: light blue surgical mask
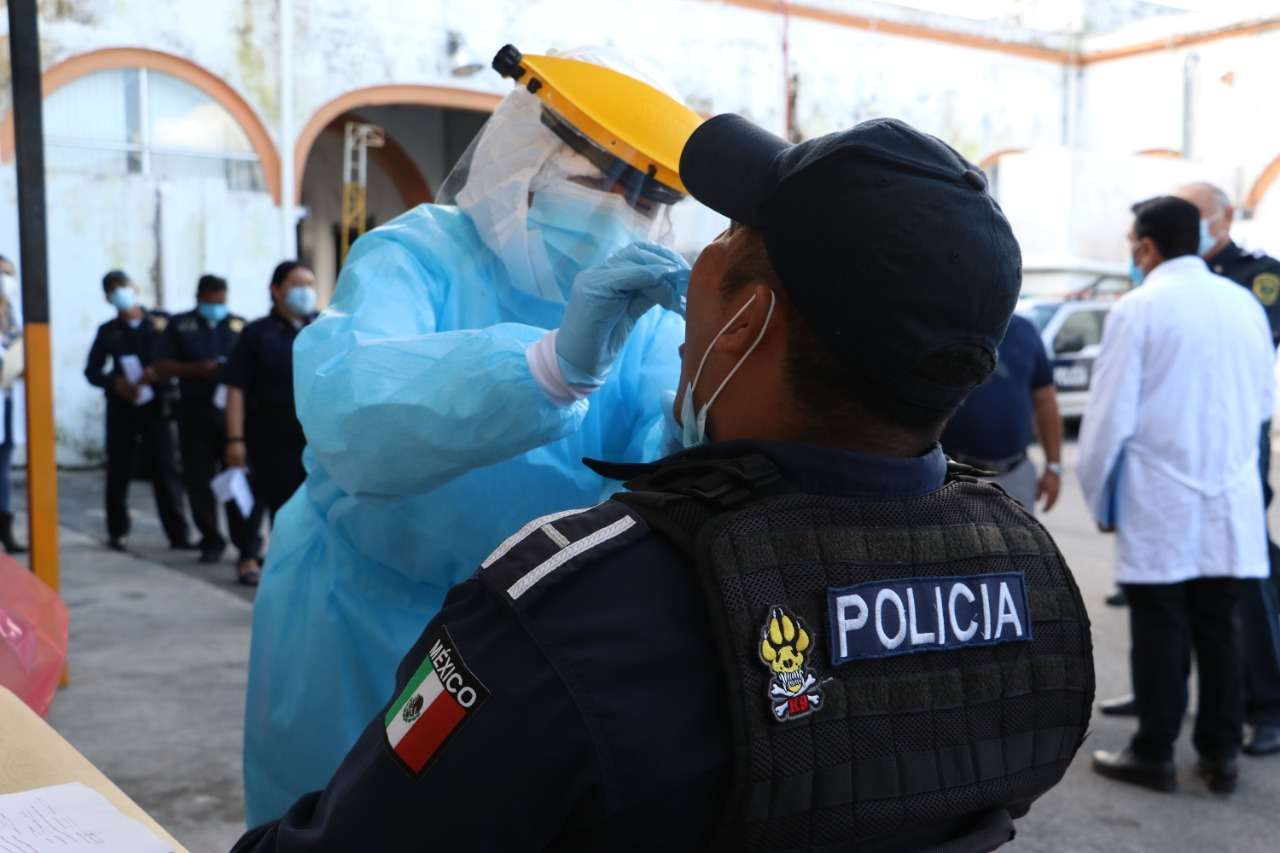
x=1136, y=275
x=1206, y=238
x=212, y=312
x=580, y=228
x=301, y=300
x=123, y=298
x=693, y=421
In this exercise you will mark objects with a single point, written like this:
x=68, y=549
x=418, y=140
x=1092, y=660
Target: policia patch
x=439, y=697
x=1266, y=287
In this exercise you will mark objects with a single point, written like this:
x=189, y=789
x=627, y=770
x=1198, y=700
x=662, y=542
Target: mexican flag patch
x=438, y=697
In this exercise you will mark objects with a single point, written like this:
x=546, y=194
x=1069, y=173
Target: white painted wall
x=720, y=57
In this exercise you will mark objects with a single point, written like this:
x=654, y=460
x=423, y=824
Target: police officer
x=803, y=635
x=262, y=425
x=1260, y=604
x=1260, y=600
x=194, y=349
x=136, y=411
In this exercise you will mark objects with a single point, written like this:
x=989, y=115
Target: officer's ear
x=753, y=311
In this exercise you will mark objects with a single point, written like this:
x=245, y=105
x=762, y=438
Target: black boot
x=10, y=544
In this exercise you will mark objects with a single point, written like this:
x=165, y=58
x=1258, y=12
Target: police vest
x=897, y=669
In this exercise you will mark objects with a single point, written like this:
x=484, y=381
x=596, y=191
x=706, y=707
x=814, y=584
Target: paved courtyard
x=159, y=647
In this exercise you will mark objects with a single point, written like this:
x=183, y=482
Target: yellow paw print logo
x=794, y=690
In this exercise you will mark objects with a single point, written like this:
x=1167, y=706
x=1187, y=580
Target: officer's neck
x=132, y=315
x=760, y=407
x=1218, y=249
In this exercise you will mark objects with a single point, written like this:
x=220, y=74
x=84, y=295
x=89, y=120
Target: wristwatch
x=1054, y=468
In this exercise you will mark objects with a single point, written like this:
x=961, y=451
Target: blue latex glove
x=606, y=302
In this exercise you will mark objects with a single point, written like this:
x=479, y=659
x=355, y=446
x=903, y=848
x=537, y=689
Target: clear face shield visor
x=550, y=202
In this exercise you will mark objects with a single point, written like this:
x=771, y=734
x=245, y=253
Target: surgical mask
x=212, y=312
x=1206, y=237
x=580, y=228
x=1136, y=275
x=301, y=300
x=123, y=298
x=694, y=423
x=9, y=287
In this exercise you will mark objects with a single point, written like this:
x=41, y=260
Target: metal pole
x=42, y=473
x=288, y=214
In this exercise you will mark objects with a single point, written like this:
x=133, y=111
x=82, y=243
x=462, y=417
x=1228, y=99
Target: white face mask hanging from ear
x=694, y=423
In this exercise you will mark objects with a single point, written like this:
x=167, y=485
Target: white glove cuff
x=545, y=368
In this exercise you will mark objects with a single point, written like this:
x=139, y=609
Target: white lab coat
x=1169, y=442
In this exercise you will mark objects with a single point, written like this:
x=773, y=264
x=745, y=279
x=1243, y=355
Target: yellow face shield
x=631, y=131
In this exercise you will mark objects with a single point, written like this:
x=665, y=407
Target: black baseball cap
x=885, y=240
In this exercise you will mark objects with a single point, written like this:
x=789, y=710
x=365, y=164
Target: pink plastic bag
x=33, y=636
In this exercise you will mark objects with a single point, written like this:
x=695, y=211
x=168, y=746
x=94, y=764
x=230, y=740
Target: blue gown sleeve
x=391, y=405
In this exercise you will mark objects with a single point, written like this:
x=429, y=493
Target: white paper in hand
x=220, y=397
x=233, y=485
x=69, y=819
x=133, y=371
x=131, y=365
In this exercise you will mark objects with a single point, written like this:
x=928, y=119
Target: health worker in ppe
x=474, y=352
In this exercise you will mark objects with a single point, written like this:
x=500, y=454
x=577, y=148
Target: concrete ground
x=159, y=649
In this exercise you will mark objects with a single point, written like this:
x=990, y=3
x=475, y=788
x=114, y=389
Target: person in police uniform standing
x=805, y=634
x=1260, y=603
x=194, y=349
x=263, y=431
x=136, y=415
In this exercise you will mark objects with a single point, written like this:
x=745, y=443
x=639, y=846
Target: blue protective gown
x=428, y=443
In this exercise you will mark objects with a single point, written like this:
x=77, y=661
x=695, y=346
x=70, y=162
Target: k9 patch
x=438, y=698
x=897, y=617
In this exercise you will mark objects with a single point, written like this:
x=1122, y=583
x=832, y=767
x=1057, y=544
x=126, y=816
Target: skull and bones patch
x=794, y=690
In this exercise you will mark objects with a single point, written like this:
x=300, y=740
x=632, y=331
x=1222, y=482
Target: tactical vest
x=896, y=668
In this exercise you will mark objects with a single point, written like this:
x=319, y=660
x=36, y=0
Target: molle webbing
x=900, y=742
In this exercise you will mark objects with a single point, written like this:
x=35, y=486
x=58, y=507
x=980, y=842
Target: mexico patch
x=437, y=699
x=897, y=617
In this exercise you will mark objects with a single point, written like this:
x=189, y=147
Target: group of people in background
x=227, y=383
x=1169, y=461
x=1175, y=435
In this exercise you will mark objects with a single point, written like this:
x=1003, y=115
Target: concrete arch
x=1260, y=186
x=381, y=96
x=399, y=166
x=62, y=73
x=987, y=162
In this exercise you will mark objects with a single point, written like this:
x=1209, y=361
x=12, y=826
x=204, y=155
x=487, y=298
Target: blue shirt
x=995, y=421
x=591, y=711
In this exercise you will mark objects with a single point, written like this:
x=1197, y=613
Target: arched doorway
x=427, y=129
x=156, y=166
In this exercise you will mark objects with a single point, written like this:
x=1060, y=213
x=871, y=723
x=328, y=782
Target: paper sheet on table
x=68, y=819
x=220, y=396
x=132, y=367
x=233, y=485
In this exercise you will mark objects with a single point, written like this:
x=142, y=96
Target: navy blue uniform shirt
x=578, y=701
x=118, y=338
x=191, y=339
x=1257, y=271
x=995, y=421
x=261, y=366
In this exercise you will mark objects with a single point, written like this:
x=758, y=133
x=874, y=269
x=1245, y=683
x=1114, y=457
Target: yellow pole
x=42, y=473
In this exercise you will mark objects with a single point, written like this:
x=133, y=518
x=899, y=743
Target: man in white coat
x=1168, y=460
